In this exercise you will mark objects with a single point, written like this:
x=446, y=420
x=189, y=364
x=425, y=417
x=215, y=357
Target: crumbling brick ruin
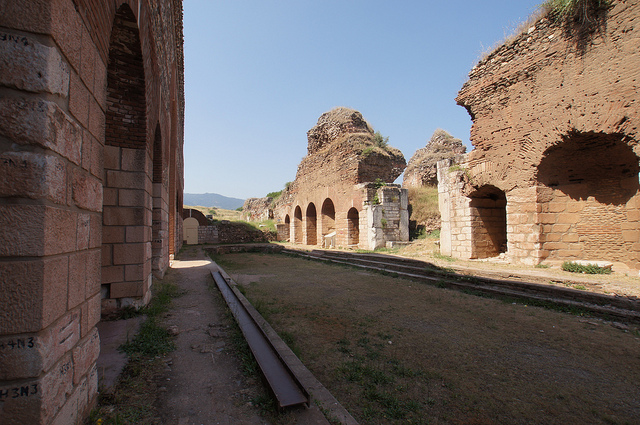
x=258, y=209
x=343, y=193
x=554, y=172
x=422, y=167
x=91, y=135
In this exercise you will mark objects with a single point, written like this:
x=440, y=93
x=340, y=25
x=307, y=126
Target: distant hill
x=212, y=200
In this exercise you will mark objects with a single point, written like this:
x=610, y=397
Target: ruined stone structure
x=343, y=193
x=554, y=172
x=91, y=177
x=258, y=209
x=421, y=169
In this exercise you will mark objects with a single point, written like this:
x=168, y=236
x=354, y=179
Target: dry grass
x=218, y=213
x=424, y=209
x=394, y=351
x=424, y=203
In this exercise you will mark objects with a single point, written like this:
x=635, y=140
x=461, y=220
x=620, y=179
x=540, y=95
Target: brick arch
x=297, y=224
x=590, y=184
x=328, y=214
x=311, y=225
x=353, y=227
x=126, y=266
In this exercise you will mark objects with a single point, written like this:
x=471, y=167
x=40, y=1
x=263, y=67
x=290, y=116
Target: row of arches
x=311, y=229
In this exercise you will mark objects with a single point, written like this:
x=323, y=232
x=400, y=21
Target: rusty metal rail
x=282, y=381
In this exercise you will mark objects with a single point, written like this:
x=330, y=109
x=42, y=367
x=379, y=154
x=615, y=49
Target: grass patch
x=436, y=254
x=269, y=225
x=424, y=204
x=132, y=401
x=385, y=385
x=578, y=10
x=572, y=267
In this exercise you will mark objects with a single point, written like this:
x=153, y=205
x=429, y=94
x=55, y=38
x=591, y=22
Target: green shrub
x=368, y=150
x=572, y=267
x=379, y=140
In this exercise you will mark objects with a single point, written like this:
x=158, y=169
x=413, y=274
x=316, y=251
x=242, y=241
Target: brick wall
x=555, y=129
x=70, y=188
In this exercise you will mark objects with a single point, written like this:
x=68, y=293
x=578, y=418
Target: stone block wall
x=387, y=216
x=77, y=186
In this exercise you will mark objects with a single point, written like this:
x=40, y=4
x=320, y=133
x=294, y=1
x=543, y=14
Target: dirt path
x=204, y=384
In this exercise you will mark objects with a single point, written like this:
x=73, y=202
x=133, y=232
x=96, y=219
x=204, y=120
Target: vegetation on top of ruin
x=422, y=167
x=217, y=213
x=582, y=11
x=379, y=140
x=580, y=19
x=375, y=143
x=275, y=195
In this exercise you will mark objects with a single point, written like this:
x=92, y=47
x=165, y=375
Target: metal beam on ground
x=284, y=385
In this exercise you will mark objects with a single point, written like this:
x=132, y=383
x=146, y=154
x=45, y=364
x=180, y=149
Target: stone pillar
x=456, y=230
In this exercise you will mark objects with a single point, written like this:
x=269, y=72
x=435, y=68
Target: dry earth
x=202, y=382
x=394, y=351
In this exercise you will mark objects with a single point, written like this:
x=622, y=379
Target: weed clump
x=582, y=11
x=572, y=267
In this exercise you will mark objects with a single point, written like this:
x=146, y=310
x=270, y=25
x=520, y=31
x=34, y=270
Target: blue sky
x=259, y=73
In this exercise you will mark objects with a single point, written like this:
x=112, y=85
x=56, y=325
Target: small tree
x=379, y=140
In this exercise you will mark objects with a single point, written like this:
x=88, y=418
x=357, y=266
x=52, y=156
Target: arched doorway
x=312, y=225
x=126, y=218
x=297, y=225
x=328, y=223
x=328, y=217
x=590, y=185
x=488, y=222
x=287, y=225
x=191, y=227
x=353, y=227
